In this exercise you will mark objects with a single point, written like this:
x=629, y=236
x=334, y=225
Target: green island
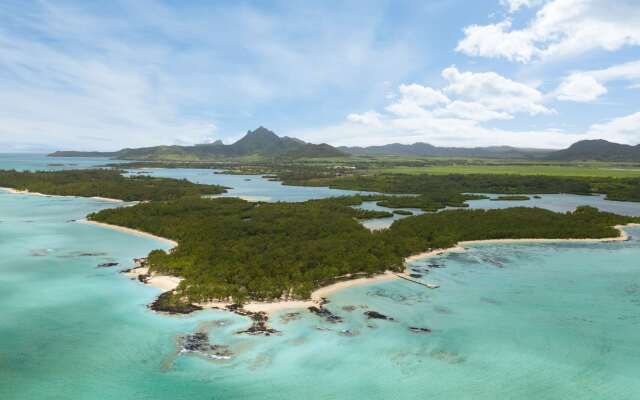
x=511, y=198
x=233, y=250
x=106, y=183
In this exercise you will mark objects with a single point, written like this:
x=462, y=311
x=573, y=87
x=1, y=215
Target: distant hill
x=426, y=149
x=600, y=150
x=260, y=142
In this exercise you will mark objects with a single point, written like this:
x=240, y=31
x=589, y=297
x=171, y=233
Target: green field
x=587, y=170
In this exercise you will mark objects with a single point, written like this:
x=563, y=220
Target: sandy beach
x=173, y=243
x=107, y=199
x=15, y=191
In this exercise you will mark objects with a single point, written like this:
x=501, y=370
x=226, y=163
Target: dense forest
x=230, y=248
x=104, y=183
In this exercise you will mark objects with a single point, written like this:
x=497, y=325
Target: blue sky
x=110, y=74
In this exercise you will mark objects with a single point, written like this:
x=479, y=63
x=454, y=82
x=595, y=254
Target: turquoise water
x=525, y=321
x=562, y=203
x=249, y=187
x=40, y=162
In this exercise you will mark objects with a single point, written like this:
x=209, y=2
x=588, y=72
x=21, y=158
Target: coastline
x=168, y=283
x=460, y=246
x=131, y=231
x=16, y=191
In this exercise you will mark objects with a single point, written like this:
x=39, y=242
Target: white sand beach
x=136, y=232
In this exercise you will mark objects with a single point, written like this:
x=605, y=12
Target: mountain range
x=262, y=142
x=428, y=150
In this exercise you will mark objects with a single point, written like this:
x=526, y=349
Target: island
x=231, y=251
x=511, y=198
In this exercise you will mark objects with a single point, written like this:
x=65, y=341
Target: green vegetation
x=511, y=198
x=104, y=183
x=402, y=212
x=445, y=229
x=233, y=249
x=447, y=189
x=568, y=169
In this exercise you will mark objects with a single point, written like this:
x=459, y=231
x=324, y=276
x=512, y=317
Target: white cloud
x=580, y=87
x=451, y=115
x=469, y=96
x=623, y=129
x=560, y=28
x=422, y=95
x=494, y=92
x=370, y=118
x=470, y=110
x=515, y=5
x=584, y=86
x=628, y=71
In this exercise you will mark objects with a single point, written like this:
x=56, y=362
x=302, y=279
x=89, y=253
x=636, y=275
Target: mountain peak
x=597, y=149
x=261, y=131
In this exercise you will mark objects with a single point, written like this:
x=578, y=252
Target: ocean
x=509, y=321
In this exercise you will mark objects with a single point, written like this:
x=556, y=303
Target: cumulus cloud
x=584, y=86
x=422, y=95
x=580, y=87
x=494, y=92
x=451, y=115
x=559, y=28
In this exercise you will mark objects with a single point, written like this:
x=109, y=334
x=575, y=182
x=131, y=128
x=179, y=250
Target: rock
x=376, y=315
x=166, y=302
x=325, y=313
x=288, y=317
x=199, y=343
x=107, y=265
x=140, y=262
x=259, y=325
x=416, y=329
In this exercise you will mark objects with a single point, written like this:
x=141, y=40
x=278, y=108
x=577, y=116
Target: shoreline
x=100, y=198
x=130, y=231
x=460, y=246
x=168, y=283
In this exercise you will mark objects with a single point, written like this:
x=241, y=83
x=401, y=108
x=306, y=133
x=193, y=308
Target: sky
x=104, y=75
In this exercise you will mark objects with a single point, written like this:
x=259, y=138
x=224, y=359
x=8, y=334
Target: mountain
x=426, y=149
x=260, y=142
x=600, y=150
